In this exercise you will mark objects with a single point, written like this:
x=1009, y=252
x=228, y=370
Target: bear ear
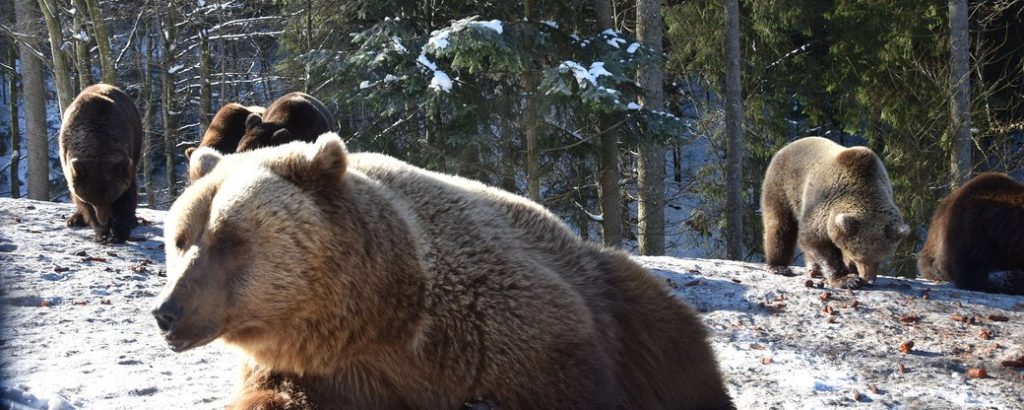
x=77, y=168
x=897, y=230
x=281, y=136
x=188, y=152
x=253, y=120
x=317, y=164
x=203, y=160
x=847, y=224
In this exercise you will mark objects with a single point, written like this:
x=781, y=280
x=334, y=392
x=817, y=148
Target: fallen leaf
x=977, y=373
x=766, y=360
x=998, y=318
x=825, y=296
x=906, y=347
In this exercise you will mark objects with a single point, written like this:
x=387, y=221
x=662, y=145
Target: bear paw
x=846, y=282
x=781, y=270
x=76, y=220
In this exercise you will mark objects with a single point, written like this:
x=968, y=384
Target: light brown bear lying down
x=359, y=281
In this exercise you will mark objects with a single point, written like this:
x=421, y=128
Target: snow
x=584, y=75
x=439, y=39
x=422, y=59
x=632, y=106
x=175, y=68
x=390, y=79
x=366, y=84
x=441, y=82
x=397, y=43
x=632, y=48
x=77, y=331
x=493, y=25
x=551, y=23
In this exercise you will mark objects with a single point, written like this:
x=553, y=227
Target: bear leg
x=82, y=216
x=780, y=235
x=122, y=215
x=829, y=260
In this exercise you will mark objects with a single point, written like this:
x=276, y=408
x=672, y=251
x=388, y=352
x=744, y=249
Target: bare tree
x=83, y=63
x=608, y=156
x=734, y=133
x=102, y=42
x=167, y=30
x=146, y=75
x=651, y=161
x=960, y=82
x=27, y=28
x=61, y=75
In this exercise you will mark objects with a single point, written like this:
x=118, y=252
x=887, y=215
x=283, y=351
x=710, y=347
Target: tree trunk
x=61, y=76
x=532, y=123
x=83, y=62
x=608, y=156
x=12, y=57
x=167, y=99
x=734, y=133
x=147, y=114
x=205, y=93
x=959, y=105
x=102, y=42
x=27, y=18
x=651, y=161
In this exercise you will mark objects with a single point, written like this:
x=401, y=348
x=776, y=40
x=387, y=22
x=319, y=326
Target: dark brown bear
x=294, y=117
x=976, y=231
x=100, y=147
x=227, y=128
x=388, y=286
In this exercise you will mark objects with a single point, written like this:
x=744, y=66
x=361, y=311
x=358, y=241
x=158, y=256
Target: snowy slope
x=76, y=330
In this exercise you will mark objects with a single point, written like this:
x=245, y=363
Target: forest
x=643, y=124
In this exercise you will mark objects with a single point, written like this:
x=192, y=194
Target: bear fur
x=837, y=204
x=296, y=116
x=359, y=281
x=977, y=230
x=100, y=147
x=226, y=128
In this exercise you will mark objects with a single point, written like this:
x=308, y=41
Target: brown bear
x=359, y=281
x=837, y=203
x=226, y=128
x=975, y=231
x=296, y=116
x=100, y=147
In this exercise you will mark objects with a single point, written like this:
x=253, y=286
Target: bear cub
x=295, y=116
x=100, y=147
x=837, y=204
x=976, y=231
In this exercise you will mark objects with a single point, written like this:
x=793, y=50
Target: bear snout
x=167, y=314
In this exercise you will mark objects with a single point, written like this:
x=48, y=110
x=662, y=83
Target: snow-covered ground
x=76, y=331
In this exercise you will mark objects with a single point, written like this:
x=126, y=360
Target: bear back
x=295, y=116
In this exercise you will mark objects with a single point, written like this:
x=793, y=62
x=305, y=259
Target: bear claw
x=846, y=282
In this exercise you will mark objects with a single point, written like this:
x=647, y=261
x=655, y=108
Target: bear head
x=259, y=133
x=246, y=242
x=100, y=181
x=866, y=239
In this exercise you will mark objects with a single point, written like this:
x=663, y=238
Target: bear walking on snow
x=100, y=146
x=296, y=116
x=976, y=231
x=359, y=281
x=226, y=128
x=837, y=204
